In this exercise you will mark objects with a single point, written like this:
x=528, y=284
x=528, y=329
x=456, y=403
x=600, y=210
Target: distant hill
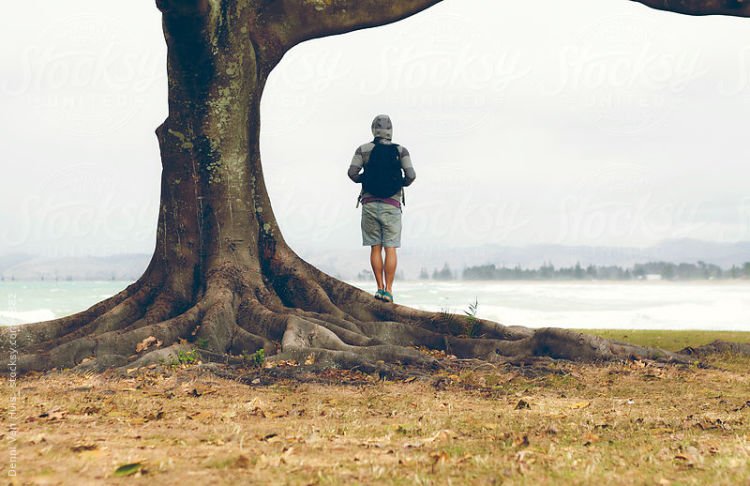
x=116, y=267
x=349, y=263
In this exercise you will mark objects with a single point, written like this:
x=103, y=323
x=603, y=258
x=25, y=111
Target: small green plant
x=187, y=357
x=446, y=314
x=472, y=321
x=449, y=322
x=201, y=343
x=256, y=359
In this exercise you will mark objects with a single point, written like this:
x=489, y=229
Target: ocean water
x=22, y=302
x=624, y=305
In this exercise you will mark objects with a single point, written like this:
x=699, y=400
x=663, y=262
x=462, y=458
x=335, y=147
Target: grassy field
x=670, y=340
x=553, y=423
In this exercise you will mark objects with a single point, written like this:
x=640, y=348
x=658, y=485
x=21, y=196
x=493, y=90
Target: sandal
x=379, y=295
x=387, y=296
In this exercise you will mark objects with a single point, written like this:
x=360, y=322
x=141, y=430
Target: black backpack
x=382, y=176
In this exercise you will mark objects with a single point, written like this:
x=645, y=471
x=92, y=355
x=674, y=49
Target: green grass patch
x=669, y=340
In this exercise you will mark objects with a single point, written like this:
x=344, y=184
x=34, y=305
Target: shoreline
x=581, y=304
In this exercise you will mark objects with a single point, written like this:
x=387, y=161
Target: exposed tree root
x=718, y=347
x=309, y=318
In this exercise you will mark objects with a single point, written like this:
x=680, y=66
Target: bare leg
x=376, y=260
x=391, y=261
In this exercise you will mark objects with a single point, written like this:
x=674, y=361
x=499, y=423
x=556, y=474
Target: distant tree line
x=443, y=274
x=366, y=275
x=640, y=271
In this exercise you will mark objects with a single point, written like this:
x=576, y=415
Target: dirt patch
x=628, y=423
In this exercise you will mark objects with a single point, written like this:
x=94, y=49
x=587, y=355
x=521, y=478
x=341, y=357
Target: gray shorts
x=381, y=225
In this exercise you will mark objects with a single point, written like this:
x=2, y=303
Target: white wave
x=616, y=305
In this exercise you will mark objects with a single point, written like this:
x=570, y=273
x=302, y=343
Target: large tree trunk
x=222, y=276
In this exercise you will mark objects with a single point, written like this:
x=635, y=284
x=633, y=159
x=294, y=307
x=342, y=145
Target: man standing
x=384, y=169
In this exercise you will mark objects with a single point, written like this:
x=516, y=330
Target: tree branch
x=295, y=21
x=183, y=7
x=735, y=8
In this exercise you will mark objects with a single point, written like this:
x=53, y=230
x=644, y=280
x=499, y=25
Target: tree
x=444, y=274
x=578, y=271
x=222, y=274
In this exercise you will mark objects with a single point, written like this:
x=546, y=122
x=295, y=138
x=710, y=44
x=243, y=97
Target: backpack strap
x=403, y=193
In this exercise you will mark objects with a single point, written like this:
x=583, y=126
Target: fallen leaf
x=128, y=469
x=438, y=458
x=522, y=405
x=147, y=343
x=158, y=415
x=590, y=439
x=522, y=455
x=83, y=447
x=54, y=414
x=580, y=405
x=441, y=435
x=413, y=445
x=37, y=439
x=522, y=442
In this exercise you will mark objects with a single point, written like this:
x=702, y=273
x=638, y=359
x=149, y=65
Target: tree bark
x=222, y=278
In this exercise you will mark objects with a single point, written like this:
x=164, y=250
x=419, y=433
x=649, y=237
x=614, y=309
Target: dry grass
x=577, y=424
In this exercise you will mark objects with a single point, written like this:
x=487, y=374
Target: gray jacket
x=382, y=130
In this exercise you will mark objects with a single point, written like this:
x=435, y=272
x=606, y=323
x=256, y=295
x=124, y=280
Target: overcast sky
x=579, y=122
